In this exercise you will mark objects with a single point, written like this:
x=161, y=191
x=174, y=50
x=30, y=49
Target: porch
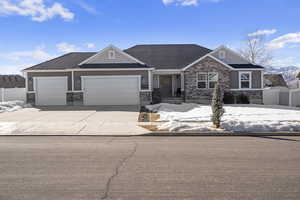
x=170, y=85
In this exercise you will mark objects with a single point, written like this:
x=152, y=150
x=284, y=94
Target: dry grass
x=148, y=117
x=150, y=127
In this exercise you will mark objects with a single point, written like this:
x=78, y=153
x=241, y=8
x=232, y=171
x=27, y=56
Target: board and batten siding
x=143, y=74
x=31, y=76
x=256, y=79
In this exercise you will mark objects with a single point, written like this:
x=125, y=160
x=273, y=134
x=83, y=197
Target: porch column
x=182, y=81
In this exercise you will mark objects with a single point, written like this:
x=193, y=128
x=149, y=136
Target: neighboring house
x=141, y=73
x=12, y=81
x=274, y=80
x=298, y=76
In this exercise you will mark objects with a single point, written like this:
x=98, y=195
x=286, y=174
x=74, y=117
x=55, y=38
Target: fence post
x=2, y=94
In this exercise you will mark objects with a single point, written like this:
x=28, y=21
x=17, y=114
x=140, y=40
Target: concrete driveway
x=105, y=120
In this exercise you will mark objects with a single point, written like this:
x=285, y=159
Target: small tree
x=217, y=106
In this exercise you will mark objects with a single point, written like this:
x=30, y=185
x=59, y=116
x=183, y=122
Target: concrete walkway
x=116, y=120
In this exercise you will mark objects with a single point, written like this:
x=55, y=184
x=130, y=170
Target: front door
x=165, y=85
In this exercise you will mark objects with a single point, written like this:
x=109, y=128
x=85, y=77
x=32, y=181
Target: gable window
x=213, y=78
x=111, y=54
x=245, y=80
x=222, y=54
x=207, y=80
x=202, y=80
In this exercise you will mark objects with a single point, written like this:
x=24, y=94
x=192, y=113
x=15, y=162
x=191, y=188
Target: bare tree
x=255, y=50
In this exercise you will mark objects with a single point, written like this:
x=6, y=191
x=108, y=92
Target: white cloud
x=88, y=8
x=66, y=47
x=186, y=2
x=262, y=32
x=282, y=41
x=287, y=61
x=90, y=45
x=37, y=54
x=13, y=69
x=36, y=9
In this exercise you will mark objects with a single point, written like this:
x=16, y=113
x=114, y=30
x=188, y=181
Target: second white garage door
x=111, y=90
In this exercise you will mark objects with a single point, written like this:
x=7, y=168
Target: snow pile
x=11, y=106
x=237, y=118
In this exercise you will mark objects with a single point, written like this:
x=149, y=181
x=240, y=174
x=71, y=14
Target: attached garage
x=51, y=91
x=111, y=90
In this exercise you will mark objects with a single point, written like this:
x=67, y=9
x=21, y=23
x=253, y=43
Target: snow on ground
x=11, y=106
x=238, y=118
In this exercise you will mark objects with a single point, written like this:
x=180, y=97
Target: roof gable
x=103, y=57
x=231, y=57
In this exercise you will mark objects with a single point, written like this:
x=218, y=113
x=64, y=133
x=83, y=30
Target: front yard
x=237, y=118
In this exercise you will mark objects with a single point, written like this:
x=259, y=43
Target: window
x=207, y=80
x=245, y=80
x=111, y=54
x=222, y=54
x=213, y=78
x=202, y=80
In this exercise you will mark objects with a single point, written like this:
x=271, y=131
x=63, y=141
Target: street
x=134, y=168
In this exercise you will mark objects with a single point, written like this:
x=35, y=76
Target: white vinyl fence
x=281, y=96
x=12, y=94
x=295, y=98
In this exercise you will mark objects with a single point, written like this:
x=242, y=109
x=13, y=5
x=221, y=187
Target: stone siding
x=30, y=98
x=145, y=98
x=204, y=96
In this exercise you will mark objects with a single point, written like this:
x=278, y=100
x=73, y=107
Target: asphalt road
x=136, y=168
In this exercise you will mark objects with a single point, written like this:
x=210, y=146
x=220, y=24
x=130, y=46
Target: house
x=136, y=76
x=298, y=76
x=12, y=81
x=274, y=80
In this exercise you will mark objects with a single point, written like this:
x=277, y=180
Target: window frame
x=222, y=54
x=250, y=80
x=111, y=54
x=207, y=81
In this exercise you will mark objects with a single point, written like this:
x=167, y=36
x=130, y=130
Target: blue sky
x=36, y=30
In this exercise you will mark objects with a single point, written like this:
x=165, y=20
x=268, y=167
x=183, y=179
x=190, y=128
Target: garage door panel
x=51, y=91
x=111, y=90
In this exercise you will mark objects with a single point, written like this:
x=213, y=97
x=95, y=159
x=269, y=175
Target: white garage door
x=51, y=91
x=111, y=90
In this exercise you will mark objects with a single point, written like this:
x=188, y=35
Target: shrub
x=228, y=98
x=217, y=106
x=242, y=99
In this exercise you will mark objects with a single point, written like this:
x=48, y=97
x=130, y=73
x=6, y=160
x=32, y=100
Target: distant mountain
x=289, y=74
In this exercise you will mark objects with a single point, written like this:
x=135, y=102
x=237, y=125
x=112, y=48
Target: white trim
x=150, y=80
x=158, y=81
x=167, y=71
x=182, y=81
x=262, y=80
x=247, y=89
x=250, y=79
x=206, y=82
x=116, y=49
x=208, y=55
x=81, y=69
x=72, y=78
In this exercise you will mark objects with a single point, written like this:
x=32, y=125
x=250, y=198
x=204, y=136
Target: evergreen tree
x=217, y=106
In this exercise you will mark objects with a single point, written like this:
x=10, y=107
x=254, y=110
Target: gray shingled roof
x=274, y=80
x=165, y=56
x=168, y=56
x=67, y=61
x=113, y=65
x=12, y=81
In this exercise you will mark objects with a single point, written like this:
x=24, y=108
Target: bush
x=156, y=96
x=217, y=106
x=228, y=98
x=242, y=99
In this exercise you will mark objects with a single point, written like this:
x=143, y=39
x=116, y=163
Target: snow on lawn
x=238, y=118
x=11, y=106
